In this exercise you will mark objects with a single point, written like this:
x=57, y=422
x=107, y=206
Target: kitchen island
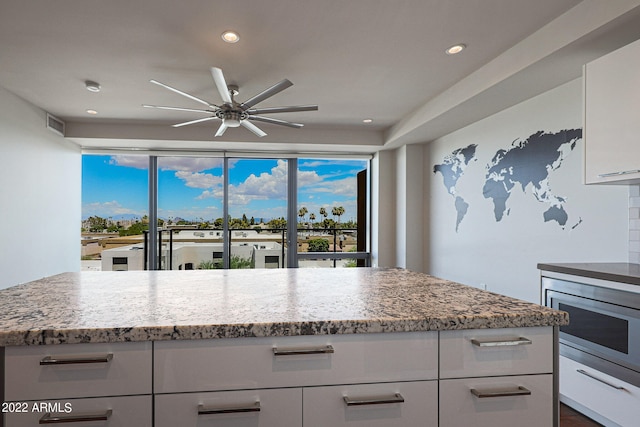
x=359, y=346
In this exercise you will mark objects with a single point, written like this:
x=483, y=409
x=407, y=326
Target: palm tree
x=323, y=212
x=337, y=211
x=312, y=217
x=302, y=212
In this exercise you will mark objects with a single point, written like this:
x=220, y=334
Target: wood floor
x=571, y=418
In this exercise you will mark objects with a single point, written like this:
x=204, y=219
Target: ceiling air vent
x=55, y=125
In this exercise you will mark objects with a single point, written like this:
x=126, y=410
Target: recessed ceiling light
x=456, y=49
x=92, y=112
x=230, y=36
x=367, y=121
x=92, y=86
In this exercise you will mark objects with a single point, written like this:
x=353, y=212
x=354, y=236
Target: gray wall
x=503, y=254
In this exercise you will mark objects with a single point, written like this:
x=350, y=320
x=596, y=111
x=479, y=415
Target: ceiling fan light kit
x=232, y=113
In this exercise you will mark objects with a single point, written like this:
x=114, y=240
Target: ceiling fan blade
x=276, y=121
x=194, y=110
x=173, y=89
x=194, y=121
x=221, y=129
x=221, y=84
x=276, y=88
x=253, y=128
x=283, y=109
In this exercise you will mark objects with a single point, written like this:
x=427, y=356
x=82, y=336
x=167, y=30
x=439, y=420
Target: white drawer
x=491, y=352
x=460, y=407
x=598, y=400
x=247, y=363
x=274, y=408
x=128, y=371
x=372, y=405
x=130, y=411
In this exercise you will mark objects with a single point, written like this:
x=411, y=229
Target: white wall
x=503, y=254
x=40, y=181
x=383, y=209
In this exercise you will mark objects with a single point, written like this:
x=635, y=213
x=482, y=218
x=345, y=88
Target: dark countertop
x=622, y=272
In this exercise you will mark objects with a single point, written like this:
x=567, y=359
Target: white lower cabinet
x=121, y=411
x=293, y=361
x=372, y=405
x=77, y=370
x=606, y=399
x=412, y=379
x=523, y=401
x=246, y=408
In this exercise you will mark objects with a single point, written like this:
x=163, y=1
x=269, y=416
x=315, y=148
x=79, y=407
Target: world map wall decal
x=524, y=165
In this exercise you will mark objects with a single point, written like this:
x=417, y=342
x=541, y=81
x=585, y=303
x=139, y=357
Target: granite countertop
x=613, y=271
x=171, y=305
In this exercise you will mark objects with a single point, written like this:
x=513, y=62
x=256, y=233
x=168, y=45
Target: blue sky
x=191, y=188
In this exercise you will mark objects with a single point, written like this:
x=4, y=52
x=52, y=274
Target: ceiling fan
x=233, y=113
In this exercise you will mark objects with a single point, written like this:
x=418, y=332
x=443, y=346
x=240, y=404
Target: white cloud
x=130, y=161
x=360, y=164
x=185, y=164
x=189, y=164
x=341, y=187
x=199, y=179
x=109, y=209
x=266, y=186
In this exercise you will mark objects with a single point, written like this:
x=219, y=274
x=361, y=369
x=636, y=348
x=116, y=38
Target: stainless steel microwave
x=604, y=326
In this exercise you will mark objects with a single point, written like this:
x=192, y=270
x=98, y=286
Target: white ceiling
x=356, y=59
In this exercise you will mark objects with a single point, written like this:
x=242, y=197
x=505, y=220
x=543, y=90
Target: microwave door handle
x=585, y=373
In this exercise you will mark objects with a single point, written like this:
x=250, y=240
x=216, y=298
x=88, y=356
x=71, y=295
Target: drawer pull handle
x=203, y=410
x=500, y=343
x=605, y=175
x=396, y=398
x=583, y=372
x=520, y=391
x=49, y=419
x=49, y=360
x=297, y=351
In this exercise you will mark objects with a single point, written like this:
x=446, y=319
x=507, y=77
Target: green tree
x=318, y=245
x=276, y=223
x=204, y=225
x=236, y=262
x=114, y=228
x=135, y=229
x=302, y=213
x=328, y=223
x=323, y=212
x=337, y=211
x=97, y=224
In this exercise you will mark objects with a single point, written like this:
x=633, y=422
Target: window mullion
x=292, y=213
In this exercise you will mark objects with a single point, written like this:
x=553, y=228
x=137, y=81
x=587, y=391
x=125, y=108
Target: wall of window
x=115, y=210
x=331, y=212
x=235, y=212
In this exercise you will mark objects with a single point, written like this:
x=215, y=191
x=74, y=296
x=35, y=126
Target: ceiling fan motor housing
x=231, y=118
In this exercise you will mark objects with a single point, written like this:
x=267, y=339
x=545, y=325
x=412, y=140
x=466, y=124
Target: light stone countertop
x=171, y=305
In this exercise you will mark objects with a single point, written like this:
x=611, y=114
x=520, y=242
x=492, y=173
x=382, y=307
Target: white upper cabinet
x=612, y=117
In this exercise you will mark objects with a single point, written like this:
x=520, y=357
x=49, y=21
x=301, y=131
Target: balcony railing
x=261, y=245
